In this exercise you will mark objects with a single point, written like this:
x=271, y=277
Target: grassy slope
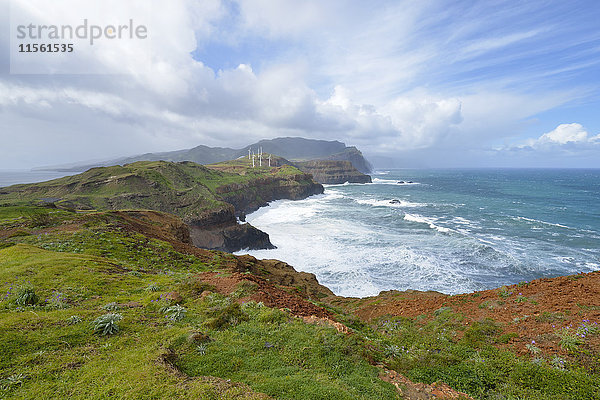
x=98, y=263
x=42, y=356
x=185, y=189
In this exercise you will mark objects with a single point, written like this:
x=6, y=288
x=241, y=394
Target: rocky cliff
x=333, y=172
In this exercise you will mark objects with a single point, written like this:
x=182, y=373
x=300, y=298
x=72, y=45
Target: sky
x=428, y=83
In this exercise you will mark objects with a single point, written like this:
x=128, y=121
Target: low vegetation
x=90, y=310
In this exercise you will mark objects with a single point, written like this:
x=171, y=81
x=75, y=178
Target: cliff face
x=249, y=197
x=355, y=157
x=333, y=172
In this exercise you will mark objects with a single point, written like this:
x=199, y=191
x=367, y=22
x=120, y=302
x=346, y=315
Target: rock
x=199, y=337
x=174, y=297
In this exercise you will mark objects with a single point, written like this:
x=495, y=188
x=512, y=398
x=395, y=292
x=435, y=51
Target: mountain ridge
x=291, y=148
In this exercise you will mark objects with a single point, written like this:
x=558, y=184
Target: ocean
x=13, y=177
x=452, y=231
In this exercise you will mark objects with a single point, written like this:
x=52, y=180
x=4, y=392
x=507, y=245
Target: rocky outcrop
x=219, y=230
x=333, y=172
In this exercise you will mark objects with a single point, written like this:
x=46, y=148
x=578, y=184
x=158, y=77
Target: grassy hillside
x=181, y=188
x=202, y=324
x=208, y=199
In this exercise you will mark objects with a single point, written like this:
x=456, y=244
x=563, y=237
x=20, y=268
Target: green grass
x=185, y=189
x=465, y=358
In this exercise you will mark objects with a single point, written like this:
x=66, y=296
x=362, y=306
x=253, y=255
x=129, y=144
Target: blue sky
x=411, y=83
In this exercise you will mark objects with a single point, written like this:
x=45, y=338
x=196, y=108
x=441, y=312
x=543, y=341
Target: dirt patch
x=410, y=390
x=533, y=311
x=265, y=292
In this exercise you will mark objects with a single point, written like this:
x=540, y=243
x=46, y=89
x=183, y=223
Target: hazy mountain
x=293, y=149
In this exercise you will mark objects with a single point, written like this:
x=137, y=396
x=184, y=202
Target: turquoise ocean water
x=452, y=231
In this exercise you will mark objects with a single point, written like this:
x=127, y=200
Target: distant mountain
x=293, y=149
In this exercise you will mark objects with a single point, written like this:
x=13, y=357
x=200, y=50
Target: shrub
x=195, y=287
x=153, y=287
x=569, y=340
x=57, y=301
x=481, y=332
x=224, y=316
x=175, y=313
x=244, y=288
x=503, y=292
x=39, y=220
x=26, y=296
x=272, y=316
x=107, y=324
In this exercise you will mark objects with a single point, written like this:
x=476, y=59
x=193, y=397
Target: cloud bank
x=404, y=78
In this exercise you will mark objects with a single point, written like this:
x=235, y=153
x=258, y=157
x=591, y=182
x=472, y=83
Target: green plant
x=547, y=316
x=41, y=219
x=111, y=306
x=504, y=292
x=569, y=339
x=533, y=349
x=392, y=351
x=224, y=316
x=481, y=332
x=244, y=288
x=26, y=296
x=520, y=299
x=153, y=287
x=74, y=319
x=175, y=313
x=272, y=316
x=201, y=349
x=107, y=324
x=558, y=362
x=486, y=305
x=15, y=379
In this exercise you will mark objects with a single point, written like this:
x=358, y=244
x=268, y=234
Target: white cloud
x=567, y=133
x=566, y=139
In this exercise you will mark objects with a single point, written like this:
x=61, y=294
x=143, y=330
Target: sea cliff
x=333, y=172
